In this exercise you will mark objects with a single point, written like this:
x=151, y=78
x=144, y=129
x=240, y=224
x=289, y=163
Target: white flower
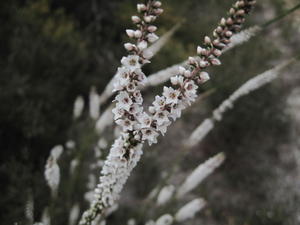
x=177, y=80
x=161, y=117
x=159, y=102
x=150, y=135
x=140, y=76
x=145, y=120
x=171, y=95
x=189, y=210
x=166, y=219
x=135, y=109
x=137, y=97
x=126, y=124
x=176, y=110
x=131, y=62
x=124, y=101
x=190, y=86
x=118, y=112
x=163, y=128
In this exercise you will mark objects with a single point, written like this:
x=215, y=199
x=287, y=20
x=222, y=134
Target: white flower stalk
x=105, y=119
x=78, y=107
x=138, y=126
x=52, y=171
x=189, y=210
x=94, y=104
x=243, y=36
x=46, y=217
x=165, y=194
x=74, y=214
x=166, y=219
x=199, y=174
x=251, y=85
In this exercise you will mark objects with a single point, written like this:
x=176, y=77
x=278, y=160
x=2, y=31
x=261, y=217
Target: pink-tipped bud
x=141, y=7
x=130, y=33
x=192, y=61
x=231, y=11
x=152, y=28
x=199, y=50
x=137, y=34
x=187, y=74
x=228, y=34
x=149, y=19
x=157, y=4
x=204, y=76
x=207, y=40
x=215, y=62
x=223, y=22
x=240, y=12
x=135, y=19
x=219, y=30
x=229, y=21
x=203, y=63
x=129, y=46
x=158, y=11
x=217, y=52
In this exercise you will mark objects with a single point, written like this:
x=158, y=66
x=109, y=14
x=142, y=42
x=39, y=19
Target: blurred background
x=52, y=51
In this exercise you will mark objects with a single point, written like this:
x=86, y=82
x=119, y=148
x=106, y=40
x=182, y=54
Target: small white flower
x=126, y=124
x=177, y=80
x=176, y=111
x=135, y=109
x=152, y=37
x=171, y=95
x=124, y=101
x=137, y=97
x=140, y=76
x=150, y=135
x=161, y=117
x=145, y=120
x=159, y=102
x=131, y=62
x=163, y=128
x=118, y=112
x=190, y=86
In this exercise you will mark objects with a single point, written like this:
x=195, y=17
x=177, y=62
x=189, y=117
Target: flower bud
x=137, y=34
x=174, y=80
x=228, y=34
x=207, y=40
x=187, y=73
x=157, y=4
x=215, y=62
x=149, y=19
x=147, y=54
x=130, y=33
x=240, y=12
x=204, y=76
x=229, y=21
x=129, y=46
x=135, y=19
x=199, y=50
x=203, y=63
x=158, y=11
x=192, y=61
x=231, y=11
x=152, y=28
x=217, y=52
x=141, y=7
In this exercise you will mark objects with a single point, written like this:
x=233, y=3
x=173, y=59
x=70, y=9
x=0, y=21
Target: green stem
x=281, y=16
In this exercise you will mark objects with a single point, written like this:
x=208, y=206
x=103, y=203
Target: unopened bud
x=152, y=37
x=204, y=76
x=207, y=40
x=192, y=61
x=152, y=28
x=135, y=19
x=187, y=73
x=223, y=22
x=217, y=52
x=215, y=62
x=203, y=63
x=137, y=34
x=158, y=11
x=149, y=19
x=147, y=54
x=130, y=33
x=142, y=45
x=157, y=4
x=181, y=70
x=129, y=46
x=228, y=34
x=141, y=7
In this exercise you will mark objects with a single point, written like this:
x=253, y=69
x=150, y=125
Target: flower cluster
x=128, y=110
